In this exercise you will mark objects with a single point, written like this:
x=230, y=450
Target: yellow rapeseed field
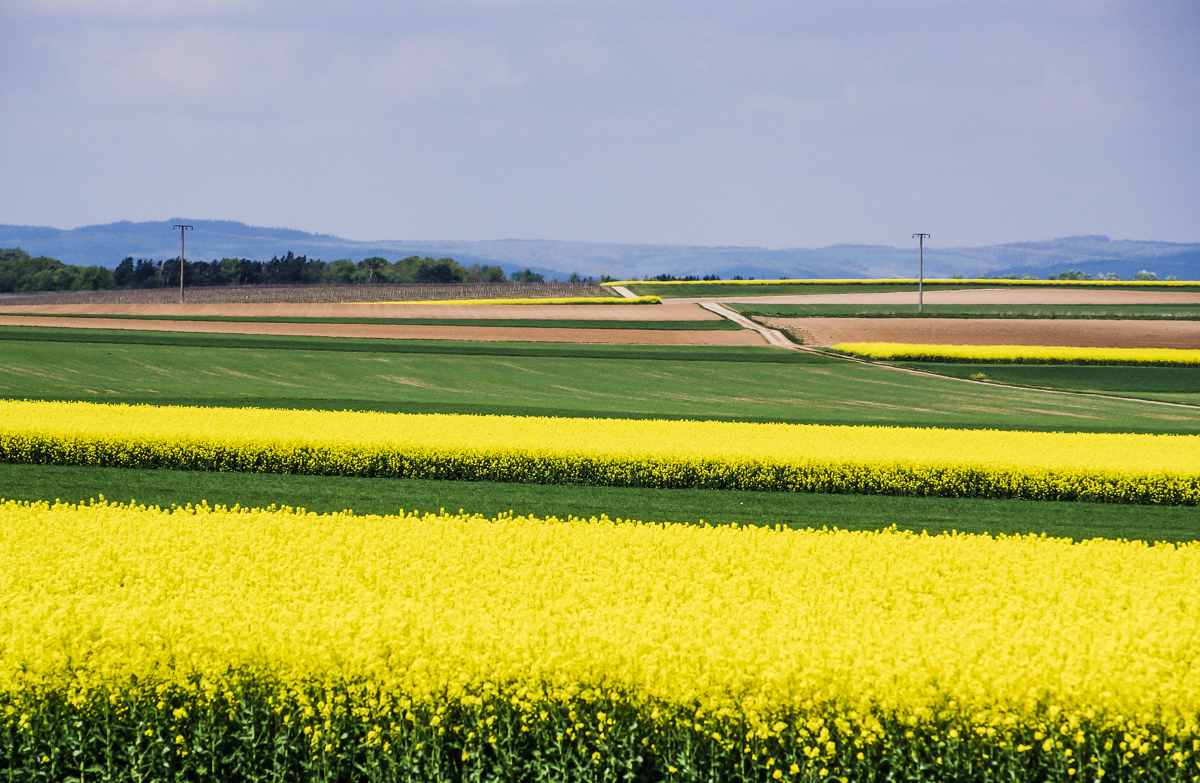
x=731, y=617
x=1022, y=354
x=813, y=642
x=787, y=457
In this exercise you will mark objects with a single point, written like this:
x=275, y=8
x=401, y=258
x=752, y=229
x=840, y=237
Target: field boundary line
x=779, y=340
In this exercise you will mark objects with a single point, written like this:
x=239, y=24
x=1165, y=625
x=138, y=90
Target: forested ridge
x=21, y=272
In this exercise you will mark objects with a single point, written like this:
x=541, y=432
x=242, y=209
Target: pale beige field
x=992, y=331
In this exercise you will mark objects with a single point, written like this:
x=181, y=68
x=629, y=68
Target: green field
x=745, y=384
x=1157, y=312
x=493, y=323
x=734, y=289
x=1167, y=384
x=387, y=496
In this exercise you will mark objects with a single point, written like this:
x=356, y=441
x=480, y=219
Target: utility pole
x=182, y=229
x=921, y=274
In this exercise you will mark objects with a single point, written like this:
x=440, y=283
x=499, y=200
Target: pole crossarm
x=182, y=228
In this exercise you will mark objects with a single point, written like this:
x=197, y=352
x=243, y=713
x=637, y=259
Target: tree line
x=21, y=272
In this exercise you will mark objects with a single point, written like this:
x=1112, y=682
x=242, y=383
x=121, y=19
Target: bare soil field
x=315, y=293
x=598, y=312
x=408, y=332
x=991, y=331
x=1000, y=296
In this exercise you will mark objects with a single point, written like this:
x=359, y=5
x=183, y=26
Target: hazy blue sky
x=772, y=124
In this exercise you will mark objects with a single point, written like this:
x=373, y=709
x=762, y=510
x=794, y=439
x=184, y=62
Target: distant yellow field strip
x=1022, y=354
x=726, y=455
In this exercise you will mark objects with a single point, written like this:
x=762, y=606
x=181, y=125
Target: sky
x=765, y=124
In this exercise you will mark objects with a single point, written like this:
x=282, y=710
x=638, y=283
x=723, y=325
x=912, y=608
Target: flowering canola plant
x=1022, y=354
x=1129, y=468
x=227, y=643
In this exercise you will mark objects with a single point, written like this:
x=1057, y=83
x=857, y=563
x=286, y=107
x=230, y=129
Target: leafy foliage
x=19, y=272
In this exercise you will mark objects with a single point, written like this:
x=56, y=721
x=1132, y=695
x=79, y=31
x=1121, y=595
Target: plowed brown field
x=992, y=331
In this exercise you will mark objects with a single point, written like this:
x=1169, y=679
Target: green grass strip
x=1167, y=384
x=324, y=494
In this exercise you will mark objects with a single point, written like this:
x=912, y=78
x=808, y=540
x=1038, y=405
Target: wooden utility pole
x=921, y=274
x=182, y=229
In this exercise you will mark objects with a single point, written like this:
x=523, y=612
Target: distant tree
x=444, y=270
x=528, y=276
x=371, y=267
x=146, y=273
x=1145, y=275
x=93, y=278
x=123, y=274
x=291, y=269
x=341, y=271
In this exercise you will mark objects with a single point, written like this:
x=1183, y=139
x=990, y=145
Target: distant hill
x=106, y=245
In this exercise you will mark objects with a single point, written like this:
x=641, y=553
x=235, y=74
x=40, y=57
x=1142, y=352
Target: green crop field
x=718, y=507
x=1167, y=384
x=763, y=384
x=1155, y=312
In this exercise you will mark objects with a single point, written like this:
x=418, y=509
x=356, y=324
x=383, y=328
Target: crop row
x=230, y=644
x=1159, y=469
x=1021, y=354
